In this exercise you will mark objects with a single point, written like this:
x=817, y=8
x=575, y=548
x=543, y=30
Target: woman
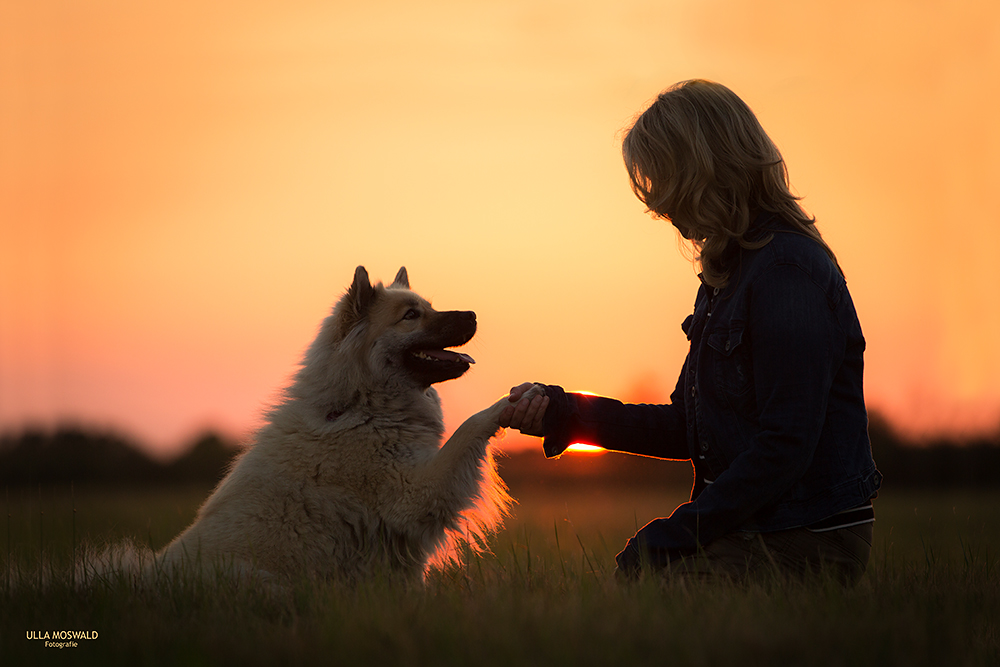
x=769, y=404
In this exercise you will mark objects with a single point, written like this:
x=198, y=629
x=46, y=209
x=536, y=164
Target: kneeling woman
x=769, y=405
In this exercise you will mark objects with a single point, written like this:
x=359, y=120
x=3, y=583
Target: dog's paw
x=536, y=390
x=505, y=402
x=488, y=421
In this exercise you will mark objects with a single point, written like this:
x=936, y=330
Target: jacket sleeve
x=797, y=347
x=648, y=430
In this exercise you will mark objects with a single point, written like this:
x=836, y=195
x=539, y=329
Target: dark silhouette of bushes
x=75, y=455
x=939, y=463
x=207, y=461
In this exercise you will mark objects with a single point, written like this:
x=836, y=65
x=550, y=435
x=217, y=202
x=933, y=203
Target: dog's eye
x=411, y=314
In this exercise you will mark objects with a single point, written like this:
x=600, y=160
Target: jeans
x=797, y=554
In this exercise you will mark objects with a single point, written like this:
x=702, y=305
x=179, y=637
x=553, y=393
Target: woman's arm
x=564, y=418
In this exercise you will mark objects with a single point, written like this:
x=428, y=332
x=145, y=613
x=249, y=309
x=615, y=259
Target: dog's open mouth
x=431, y=365
x=443, y=355
x=429, y=358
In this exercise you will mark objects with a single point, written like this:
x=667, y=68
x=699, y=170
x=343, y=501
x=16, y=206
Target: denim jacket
x=769, y=404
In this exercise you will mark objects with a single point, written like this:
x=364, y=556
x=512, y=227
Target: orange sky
x=186, y=188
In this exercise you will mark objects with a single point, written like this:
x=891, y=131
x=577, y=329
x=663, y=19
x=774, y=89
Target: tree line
x=74, y=455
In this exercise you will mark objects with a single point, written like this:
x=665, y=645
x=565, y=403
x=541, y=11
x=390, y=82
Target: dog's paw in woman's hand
x=525, y=409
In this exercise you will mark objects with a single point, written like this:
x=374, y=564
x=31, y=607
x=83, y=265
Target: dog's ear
x=402, y=280
x=355, y=304
x=361, y=293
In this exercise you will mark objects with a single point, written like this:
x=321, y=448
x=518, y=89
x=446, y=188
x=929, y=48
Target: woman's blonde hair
x=699, y=157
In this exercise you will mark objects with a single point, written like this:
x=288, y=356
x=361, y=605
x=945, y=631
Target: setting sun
x=583, y=448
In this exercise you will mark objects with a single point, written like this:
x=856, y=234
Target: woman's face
x=685, y=231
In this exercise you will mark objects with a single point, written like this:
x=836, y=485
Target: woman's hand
x=528, y=416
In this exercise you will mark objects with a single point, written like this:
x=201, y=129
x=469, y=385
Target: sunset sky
x=186, y=188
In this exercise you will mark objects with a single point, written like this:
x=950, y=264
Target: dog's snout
x=461, y=316
x=460, y=323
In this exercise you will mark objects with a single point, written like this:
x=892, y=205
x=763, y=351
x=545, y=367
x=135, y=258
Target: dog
x=348, y=476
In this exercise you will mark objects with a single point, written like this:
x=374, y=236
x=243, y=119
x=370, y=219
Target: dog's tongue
x=448, y=355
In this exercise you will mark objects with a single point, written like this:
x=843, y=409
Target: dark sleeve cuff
x=558, y=419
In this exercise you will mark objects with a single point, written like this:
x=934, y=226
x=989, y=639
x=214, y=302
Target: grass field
x=545, y=595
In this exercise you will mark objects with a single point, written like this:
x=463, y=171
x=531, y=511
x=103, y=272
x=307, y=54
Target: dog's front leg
x=449, y=482
x=471, y=438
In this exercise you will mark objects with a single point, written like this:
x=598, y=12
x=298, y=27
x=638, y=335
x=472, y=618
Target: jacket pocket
x=686, y=326
x=732, y=360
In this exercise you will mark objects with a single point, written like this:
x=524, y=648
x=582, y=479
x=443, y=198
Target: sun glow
x=584, y=448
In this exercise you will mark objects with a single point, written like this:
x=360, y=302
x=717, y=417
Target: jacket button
x=727, y=346
x=694, y=390
x=704, y=447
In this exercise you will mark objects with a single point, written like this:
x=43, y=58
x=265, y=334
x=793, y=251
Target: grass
x=544, y=595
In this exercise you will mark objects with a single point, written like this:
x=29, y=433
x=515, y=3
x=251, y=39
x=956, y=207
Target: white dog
x=349, y=477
